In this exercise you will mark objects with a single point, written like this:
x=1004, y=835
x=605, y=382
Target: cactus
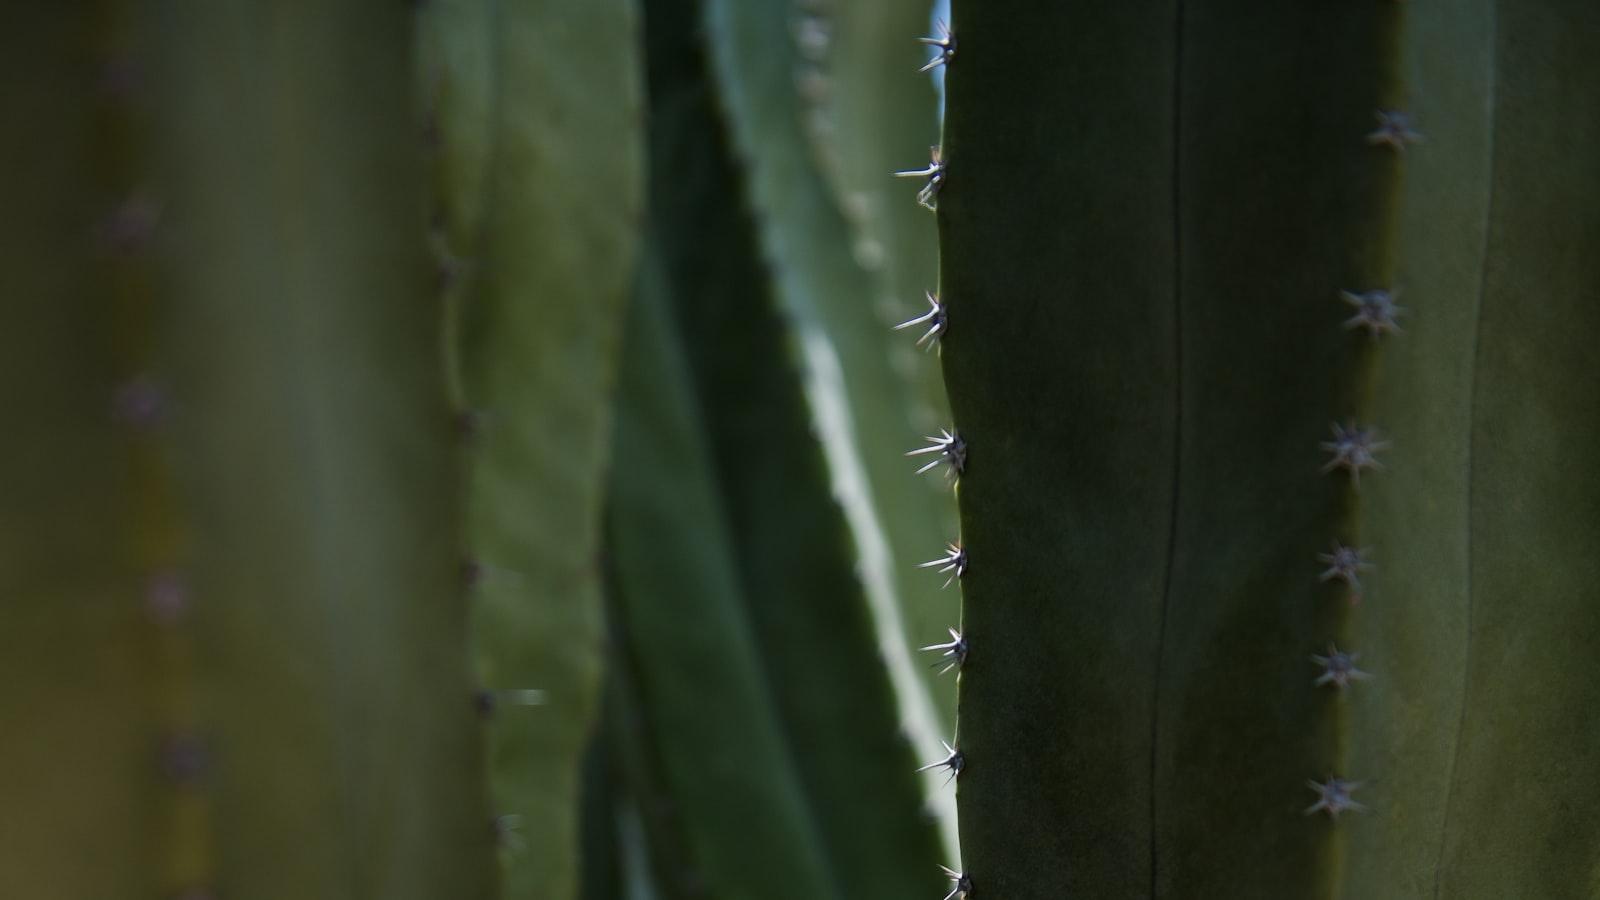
x=740, y=622
x=537, y=108
x=81, y=479
x=1160, y=253
x=237, y=622
x=234, y=514
x=1266, y=334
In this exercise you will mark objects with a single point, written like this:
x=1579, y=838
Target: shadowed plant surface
x=1171, y=269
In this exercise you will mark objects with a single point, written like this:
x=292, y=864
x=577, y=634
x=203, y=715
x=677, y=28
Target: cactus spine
x=1145, y=234
x=237, y=628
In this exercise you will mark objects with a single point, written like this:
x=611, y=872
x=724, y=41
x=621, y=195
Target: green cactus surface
x=232, y=519
x=86, y=812
x=1518, y=572
x=468, y=450
x=538, y=110
x=312, y=445
x=1157, y=224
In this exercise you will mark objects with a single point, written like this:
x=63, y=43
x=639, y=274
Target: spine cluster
x=130, y=241
x=1355, y=448
x=947, y=447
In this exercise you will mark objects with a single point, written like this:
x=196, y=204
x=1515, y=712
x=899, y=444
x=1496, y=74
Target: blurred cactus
x=537, y=107
x=251, y=629
x=231, y=541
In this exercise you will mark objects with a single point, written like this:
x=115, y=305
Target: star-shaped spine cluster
x=935, y=318
x=1345, y=564
x=1333, y=797
x=1375, y=311
x=1354, y=449
x=952, y=653
x=950, y=449
x=952, y=761
x=953, y=562
x=1394, y=130
x=946, y=42
x=960, y=883
x=1338, y=668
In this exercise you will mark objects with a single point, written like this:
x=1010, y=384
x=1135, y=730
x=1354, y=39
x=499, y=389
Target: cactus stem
x=953, y=760
x=1394, y=129
x=952, y=654
x=1338, y=668
x=1353, y=449
x=946, y=42
x=960, y=883
x=1375, y=311
x=953, y=561
x=1345, y=564
x=949, y=446
x=934, y=172
x=1333, y=797
x=936, y=318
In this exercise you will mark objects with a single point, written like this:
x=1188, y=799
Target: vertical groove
x=1472, y=441
x=1177, y=434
